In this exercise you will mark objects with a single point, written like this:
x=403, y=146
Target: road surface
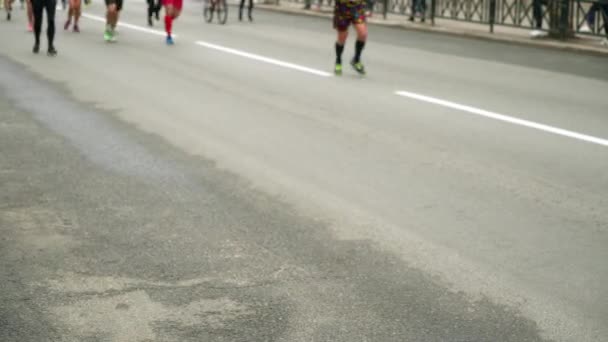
x=230, y=188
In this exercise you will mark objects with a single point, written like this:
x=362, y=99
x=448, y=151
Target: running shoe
x=338, y=69
x=358, y=66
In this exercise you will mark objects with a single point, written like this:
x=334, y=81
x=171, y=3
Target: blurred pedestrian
x=30, y=15
x=590, y=19
x=173, y=9
x=418, y=6
x=347, y=12
x=154, y=7
x=73, y=13
x=249, y=10
x=537, y=11
x=39, y=7
x=8, y=6
x=308, y=4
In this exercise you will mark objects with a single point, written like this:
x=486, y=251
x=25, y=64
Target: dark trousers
x=308, y=3
x=603, y=9
x=243, y=5
x=153, y=7
x=39, y=6
x=537, y=11
x=418, y=6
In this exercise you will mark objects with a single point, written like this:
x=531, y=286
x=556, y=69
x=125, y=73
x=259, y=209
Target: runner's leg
x=342, y=35
x=151, y=10
x=111, y=18
x=361, y=39
x=30, y=15
x=76, y=10
x=50, y=6
x=7, y=7
x=38, y=7
x=341, y=23
x=70, y=15
x=168, y=19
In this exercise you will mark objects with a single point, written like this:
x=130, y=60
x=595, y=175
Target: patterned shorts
x=348, y=12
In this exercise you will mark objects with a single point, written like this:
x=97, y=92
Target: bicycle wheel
x=222, y=11
x=208, y=9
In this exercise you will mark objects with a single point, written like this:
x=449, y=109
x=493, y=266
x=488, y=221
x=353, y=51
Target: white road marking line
x=505, y=118
x=264, y=59
x=221, y=48
x=429, y=99
x=130, y=26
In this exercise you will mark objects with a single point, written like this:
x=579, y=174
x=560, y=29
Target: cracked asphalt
x=154, y=194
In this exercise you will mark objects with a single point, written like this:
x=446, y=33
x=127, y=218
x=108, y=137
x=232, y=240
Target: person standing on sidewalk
x=347, y=12
x=308, y=4
x=537, y=11
x=40, y=6
x=590, y=19
x=418, y=6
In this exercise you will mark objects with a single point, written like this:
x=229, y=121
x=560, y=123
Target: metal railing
x=562, y=18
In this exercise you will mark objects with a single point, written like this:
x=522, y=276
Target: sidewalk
x=588, y=44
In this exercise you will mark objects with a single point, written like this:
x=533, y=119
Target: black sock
x=339, y=50
x=358, y=48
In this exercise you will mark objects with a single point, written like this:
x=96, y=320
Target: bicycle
x=218, y=6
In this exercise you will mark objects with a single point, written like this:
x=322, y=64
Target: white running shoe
x=538, y=33
x=585, y=28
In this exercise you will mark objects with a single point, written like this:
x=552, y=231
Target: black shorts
x=118, y=4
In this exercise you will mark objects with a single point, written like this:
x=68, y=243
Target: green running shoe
x=358, y=66
x=338, y=69
x=107, y=35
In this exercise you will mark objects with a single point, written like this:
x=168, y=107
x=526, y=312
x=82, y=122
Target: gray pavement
x=153, y=193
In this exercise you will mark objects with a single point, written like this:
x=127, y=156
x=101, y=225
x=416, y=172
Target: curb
x=539, y=43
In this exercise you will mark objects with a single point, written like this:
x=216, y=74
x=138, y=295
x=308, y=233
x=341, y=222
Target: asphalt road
x=229, y=188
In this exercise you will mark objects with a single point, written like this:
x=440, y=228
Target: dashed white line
x=223, y=49
x=420, y=97
x=265, y=59
x=505, y=118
